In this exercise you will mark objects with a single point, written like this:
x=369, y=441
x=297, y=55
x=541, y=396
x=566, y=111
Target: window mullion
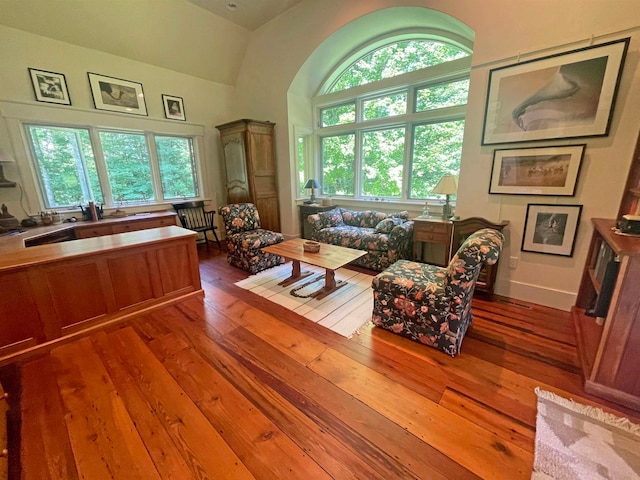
x=156, y=179
x=357, y=164
x=101, y=167
x=85, y=185
x=407, y=164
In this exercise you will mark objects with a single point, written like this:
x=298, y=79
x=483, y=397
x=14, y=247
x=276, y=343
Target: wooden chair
x=194, y=217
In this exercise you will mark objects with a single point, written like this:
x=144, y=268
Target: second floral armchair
x=431, y=304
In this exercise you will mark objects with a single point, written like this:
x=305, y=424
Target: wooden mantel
x=53, y=292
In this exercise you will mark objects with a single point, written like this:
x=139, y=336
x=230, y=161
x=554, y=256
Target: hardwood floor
x=233, y=386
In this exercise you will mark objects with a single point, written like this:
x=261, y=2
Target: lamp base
x=447, y=211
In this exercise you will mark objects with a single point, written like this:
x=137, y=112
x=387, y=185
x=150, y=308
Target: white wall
x=206, y=103
x=504, y=30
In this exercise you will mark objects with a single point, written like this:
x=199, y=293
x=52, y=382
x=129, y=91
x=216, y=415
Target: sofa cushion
x=331, y=218
x=386, y=225
x=365, y=218
x=354, y=237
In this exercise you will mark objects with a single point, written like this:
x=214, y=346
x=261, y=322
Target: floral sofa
x=431, y=304
x=385, y=237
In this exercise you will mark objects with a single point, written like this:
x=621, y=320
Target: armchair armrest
x=402, y=233
x=316, y=224
x=401, y=240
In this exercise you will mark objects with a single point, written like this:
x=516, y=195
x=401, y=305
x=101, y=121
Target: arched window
x=391, y=123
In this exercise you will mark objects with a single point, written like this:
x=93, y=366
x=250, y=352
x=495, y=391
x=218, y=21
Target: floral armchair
x=245, y=238
x=430, y=304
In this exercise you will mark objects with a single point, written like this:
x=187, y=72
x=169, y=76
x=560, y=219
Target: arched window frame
x=410, y=83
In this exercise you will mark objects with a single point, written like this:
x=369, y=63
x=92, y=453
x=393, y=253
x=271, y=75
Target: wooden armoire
x=250, y=167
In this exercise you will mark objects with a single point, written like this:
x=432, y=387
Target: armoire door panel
x=265, y=185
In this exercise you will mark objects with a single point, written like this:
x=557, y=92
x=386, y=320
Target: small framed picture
x=173, y=107
x=536, y=171
x=50, y=87
x=117, y=95
x=551, y=229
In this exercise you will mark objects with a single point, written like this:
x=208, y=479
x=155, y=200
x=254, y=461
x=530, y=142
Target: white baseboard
x=536, y=294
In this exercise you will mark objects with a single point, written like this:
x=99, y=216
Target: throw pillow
x=386, y=225
x=330, y=218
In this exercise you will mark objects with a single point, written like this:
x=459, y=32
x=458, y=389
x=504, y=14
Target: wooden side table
x=305, y=211
x=433, y=230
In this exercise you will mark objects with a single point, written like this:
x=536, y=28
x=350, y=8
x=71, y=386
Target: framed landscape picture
x=117, y=95
x=551, y=229
x=536, y=171
x=566, y=95
x=173, y=107
x=50, y=87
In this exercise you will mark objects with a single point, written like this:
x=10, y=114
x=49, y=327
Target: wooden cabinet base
x=609, y=348
x=60, y=291
x=23, y=352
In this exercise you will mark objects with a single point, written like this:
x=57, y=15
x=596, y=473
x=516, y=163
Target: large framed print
x=551, y=229
x=117, y=95
x=50, y=87
x=567, y=95
x=536, y=171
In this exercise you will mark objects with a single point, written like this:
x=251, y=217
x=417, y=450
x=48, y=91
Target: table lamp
x=448, y=185
x=311, y=185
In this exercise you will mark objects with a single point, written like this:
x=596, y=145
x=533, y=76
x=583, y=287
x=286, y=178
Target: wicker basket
x=311, y=247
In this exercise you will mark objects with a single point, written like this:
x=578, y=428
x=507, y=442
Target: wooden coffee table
x=330, y=257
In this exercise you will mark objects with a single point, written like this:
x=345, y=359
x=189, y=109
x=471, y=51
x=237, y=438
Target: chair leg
x=217, y=239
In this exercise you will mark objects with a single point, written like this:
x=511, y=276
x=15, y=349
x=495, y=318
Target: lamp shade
x=312, y=184
x=448, y=185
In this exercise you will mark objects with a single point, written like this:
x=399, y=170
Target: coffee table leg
x=330, y=285
x=296, y=274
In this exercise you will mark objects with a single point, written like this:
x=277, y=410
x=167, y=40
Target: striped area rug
x=344, y=311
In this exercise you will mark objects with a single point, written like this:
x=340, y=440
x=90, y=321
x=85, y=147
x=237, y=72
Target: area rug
x=344, y=311
x=575, y=441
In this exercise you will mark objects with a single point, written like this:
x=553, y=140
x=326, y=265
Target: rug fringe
x=589, y=411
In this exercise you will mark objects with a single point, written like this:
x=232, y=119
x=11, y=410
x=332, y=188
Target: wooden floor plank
x=472, y=446
x=164, y=452
x=254, y=438
x=333, y=453
x=104, y=439
x=289, y=340
x=489, y=419
x=336, y=409
x=201, y=445
x=45, y=441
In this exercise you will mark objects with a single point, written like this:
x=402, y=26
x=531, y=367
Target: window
x=402, y=128
x=116, y=168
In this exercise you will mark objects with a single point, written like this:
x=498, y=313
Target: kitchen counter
x=69, y=231
x=53, y=292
